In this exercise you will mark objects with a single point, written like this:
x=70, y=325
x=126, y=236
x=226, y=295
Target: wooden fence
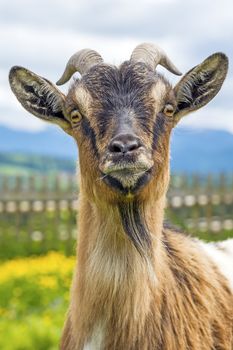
x=38, y=213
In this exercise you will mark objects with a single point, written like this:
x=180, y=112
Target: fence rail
x=39, y=212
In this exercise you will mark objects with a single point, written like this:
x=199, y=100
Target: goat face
x=120, y=117
x=123, y=127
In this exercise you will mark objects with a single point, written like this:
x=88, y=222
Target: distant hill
x=47, y=152
x=49, y=142
x=191, y=150
x=201, y=151
x=28, y=164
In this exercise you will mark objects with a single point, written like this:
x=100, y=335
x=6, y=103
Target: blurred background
x=38, y=187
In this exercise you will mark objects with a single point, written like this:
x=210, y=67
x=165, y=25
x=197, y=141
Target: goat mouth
x=127, y=179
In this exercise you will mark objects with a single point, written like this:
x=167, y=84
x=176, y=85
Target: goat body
x=138, y=285
x=173, y=298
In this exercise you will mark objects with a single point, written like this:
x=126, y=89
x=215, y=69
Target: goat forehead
x=100, y=74
x=110, y=88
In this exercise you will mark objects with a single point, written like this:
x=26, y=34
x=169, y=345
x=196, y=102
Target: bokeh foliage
x=34, y=294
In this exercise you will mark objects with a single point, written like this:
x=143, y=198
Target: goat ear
x=39, y=96
x=200, y=84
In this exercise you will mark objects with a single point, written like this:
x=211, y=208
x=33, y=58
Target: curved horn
x=80, y=62
x=153, y=55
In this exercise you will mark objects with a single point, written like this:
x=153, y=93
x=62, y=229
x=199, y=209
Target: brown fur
x=137, y=285
x=172, y=297
x=175, y=300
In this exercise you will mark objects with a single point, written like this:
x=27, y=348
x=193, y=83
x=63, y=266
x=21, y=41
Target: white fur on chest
x=222, y=254
x=96, y=340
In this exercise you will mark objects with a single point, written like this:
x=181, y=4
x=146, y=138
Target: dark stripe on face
x=103, y=119
x=89, y=132
x=142, y=181
x=111, y=181
x=135, y=227
x=158, y=129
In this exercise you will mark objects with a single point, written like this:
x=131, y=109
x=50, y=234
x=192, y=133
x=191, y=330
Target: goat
x=138, y=284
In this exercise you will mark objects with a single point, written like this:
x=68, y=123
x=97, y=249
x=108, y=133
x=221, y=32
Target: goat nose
x=124, y=143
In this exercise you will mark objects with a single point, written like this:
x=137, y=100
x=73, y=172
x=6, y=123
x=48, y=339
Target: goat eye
x=168, y=110
x=76, y=116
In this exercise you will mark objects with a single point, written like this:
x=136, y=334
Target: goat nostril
x=124, y=144
x=133, y=146
x=117, y=147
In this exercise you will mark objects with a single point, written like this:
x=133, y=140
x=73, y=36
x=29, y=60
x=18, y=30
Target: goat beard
x=134, y=225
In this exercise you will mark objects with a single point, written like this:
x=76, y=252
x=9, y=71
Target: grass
x=36, y=233
x=34, y=295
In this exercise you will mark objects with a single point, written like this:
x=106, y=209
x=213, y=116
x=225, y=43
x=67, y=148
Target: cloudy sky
x=41, y=35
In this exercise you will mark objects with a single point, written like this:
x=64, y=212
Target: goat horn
x=153, y=55
x=80, y=62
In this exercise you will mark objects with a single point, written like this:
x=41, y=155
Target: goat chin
x=127, y=184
